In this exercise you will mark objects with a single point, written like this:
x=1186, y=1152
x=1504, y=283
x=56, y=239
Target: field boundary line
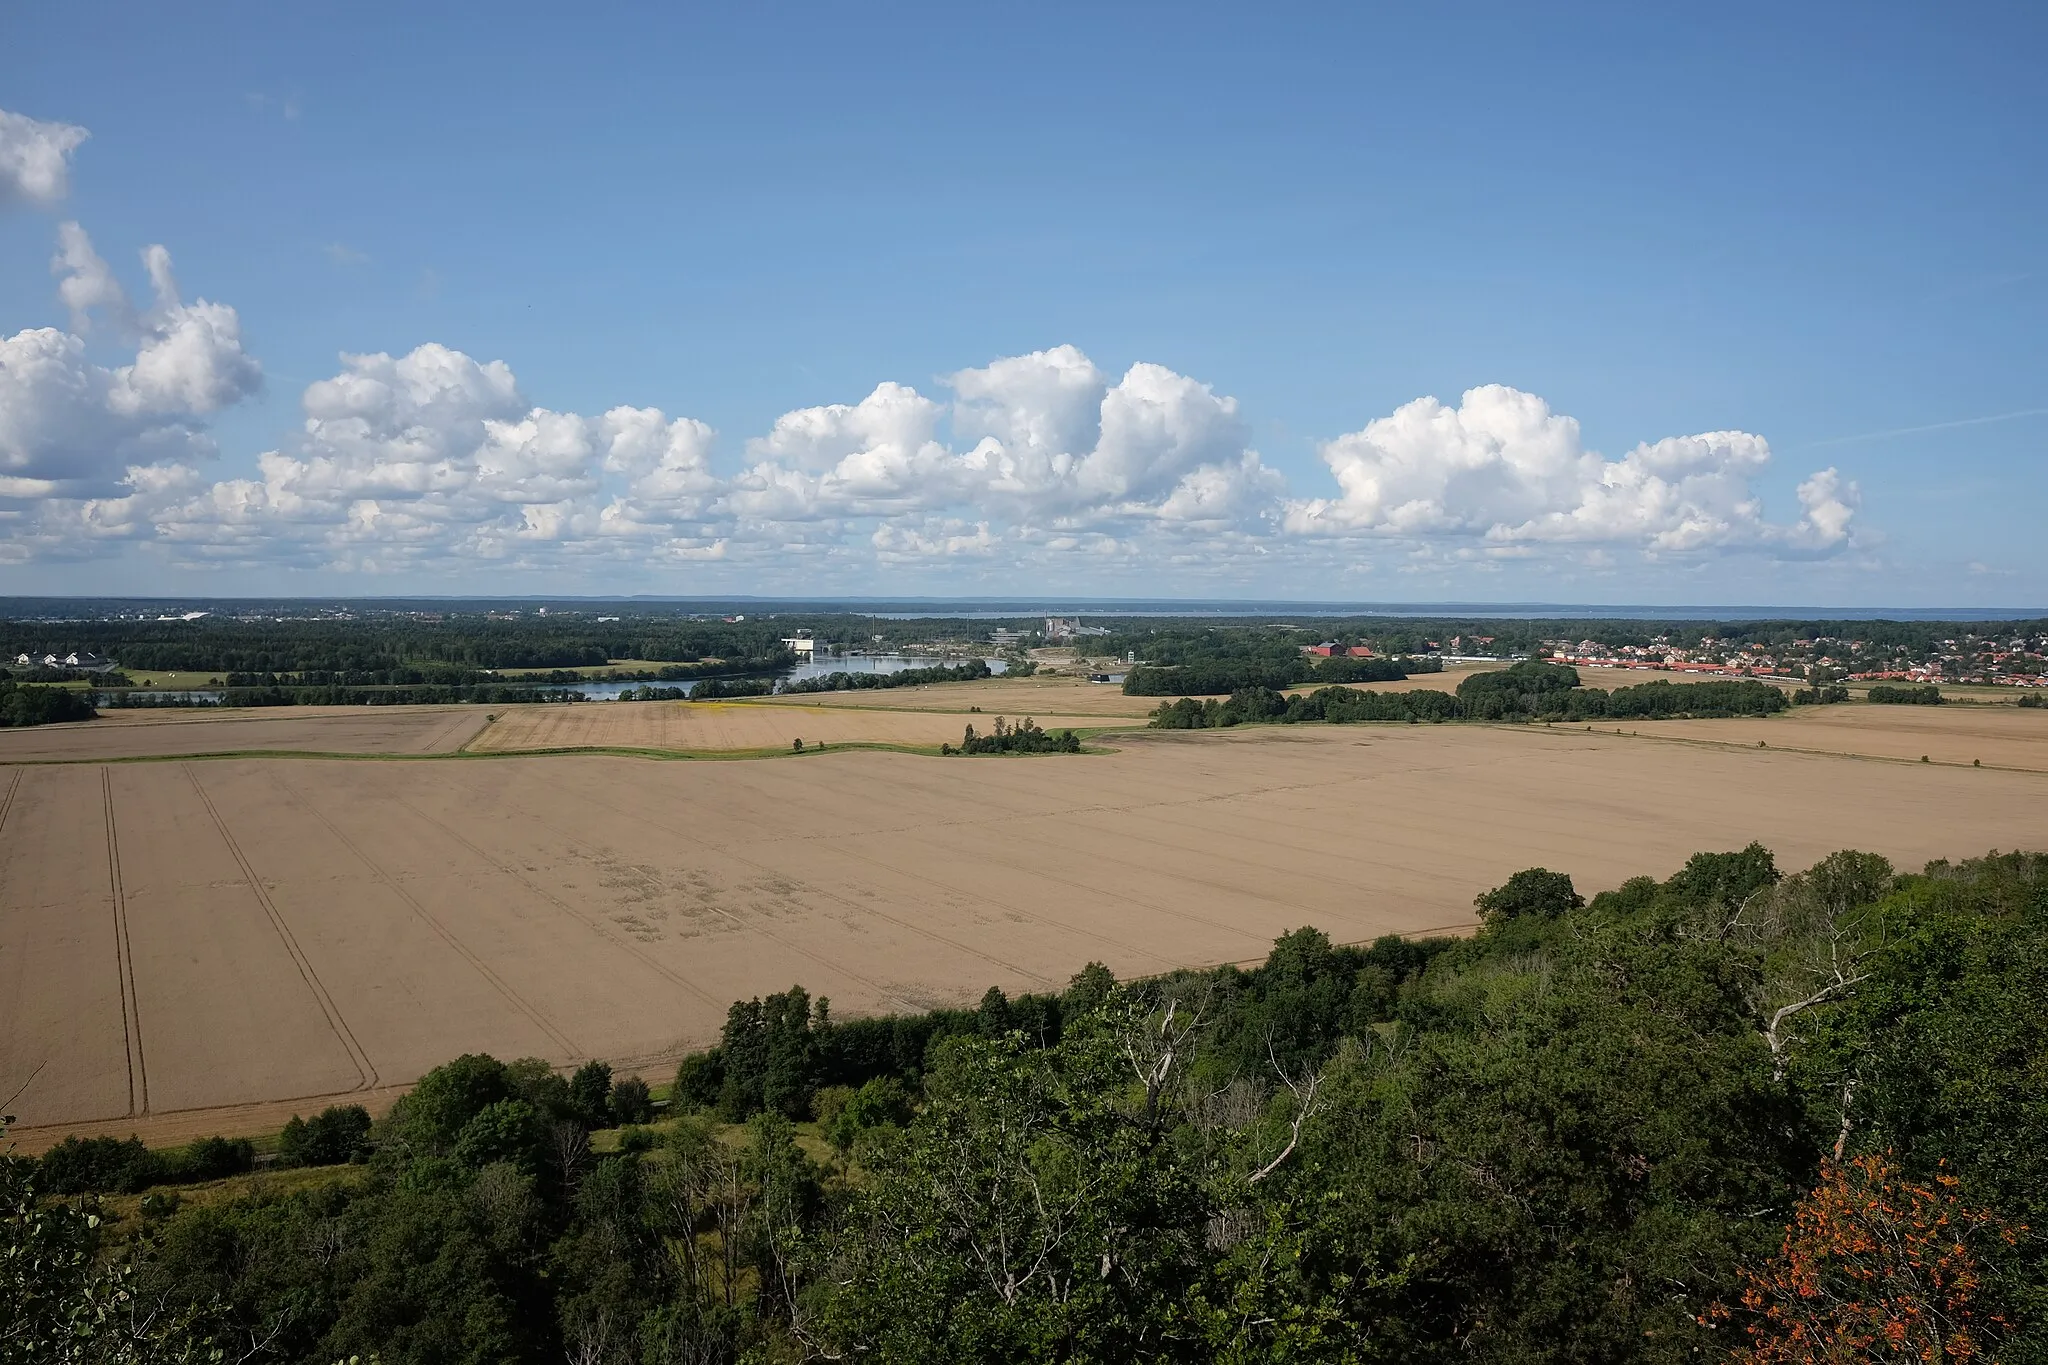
x=595, y=925
x=503, y=987
x=1086, y=733
x=124, y=956
x=366, y=1070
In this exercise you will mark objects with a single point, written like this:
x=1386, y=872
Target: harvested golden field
x=303, y=729
x=204, y=946
x=1051, y=694
x=1998, y=736
x=709, y=726
x=1037, y=696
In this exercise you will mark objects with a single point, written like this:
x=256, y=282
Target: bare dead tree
x=1826, y=928
x=1750, y=918
x=569, y=1145
x=1305, y=1107
x=1839, y=972
x=1155, y=1046
x=1848, y=1098
x=595, y=1339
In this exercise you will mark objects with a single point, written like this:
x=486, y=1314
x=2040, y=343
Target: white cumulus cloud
x=70, y=426
x=1503, y=468
x=435, y=461
x=35, y=158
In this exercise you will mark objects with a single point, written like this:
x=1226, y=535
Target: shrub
x=213, y=1158
x=590, y=1094
x=631, y=1101
x=1532, y=893
x=337, y=1134
x=101, y=1165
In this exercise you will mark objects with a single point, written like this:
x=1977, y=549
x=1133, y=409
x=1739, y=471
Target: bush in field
x=1533, y=893
x=108, y=1165
x=631, y=1102
x=100, y=1165
x=590, y=1092
x=336, y=1135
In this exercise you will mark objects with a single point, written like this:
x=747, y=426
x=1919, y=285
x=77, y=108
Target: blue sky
x=1741, y=247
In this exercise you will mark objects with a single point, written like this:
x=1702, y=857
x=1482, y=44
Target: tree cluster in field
x=974, y=670
x=108, y=1165
x=1885, y=694
x=721, y=689
x=27, y=704
x=1025, y=737
x=1217, y=661
x=2034, y=699
x=1524, y=692
x=1730, y=1115
x=1820, y=696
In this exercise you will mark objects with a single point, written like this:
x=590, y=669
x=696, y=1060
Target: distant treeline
x=649, y=692
x=1886, y=695
x=1527, y=691
x=718, y=689
x=22, y=704
x=383, y=649
x=1275, y=669
x=1165, y=641
x=972, y=671
x=494, y=694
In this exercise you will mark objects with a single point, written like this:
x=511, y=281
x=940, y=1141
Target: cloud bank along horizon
x=437, y=462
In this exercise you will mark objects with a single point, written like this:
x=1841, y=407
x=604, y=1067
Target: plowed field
x=186, y=946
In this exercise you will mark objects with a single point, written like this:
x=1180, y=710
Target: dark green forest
x=396, y=649
x=1727, y=1115
x=1213, y=661
x=1522, y=692
x=1884, y=694
x=974, y=670
x=27, y=704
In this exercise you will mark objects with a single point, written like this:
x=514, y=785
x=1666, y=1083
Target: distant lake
x=816, y=668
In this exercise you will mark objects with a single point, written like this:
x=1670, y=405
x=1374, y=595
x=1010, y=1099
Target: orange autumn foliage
x=1875, y=1268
